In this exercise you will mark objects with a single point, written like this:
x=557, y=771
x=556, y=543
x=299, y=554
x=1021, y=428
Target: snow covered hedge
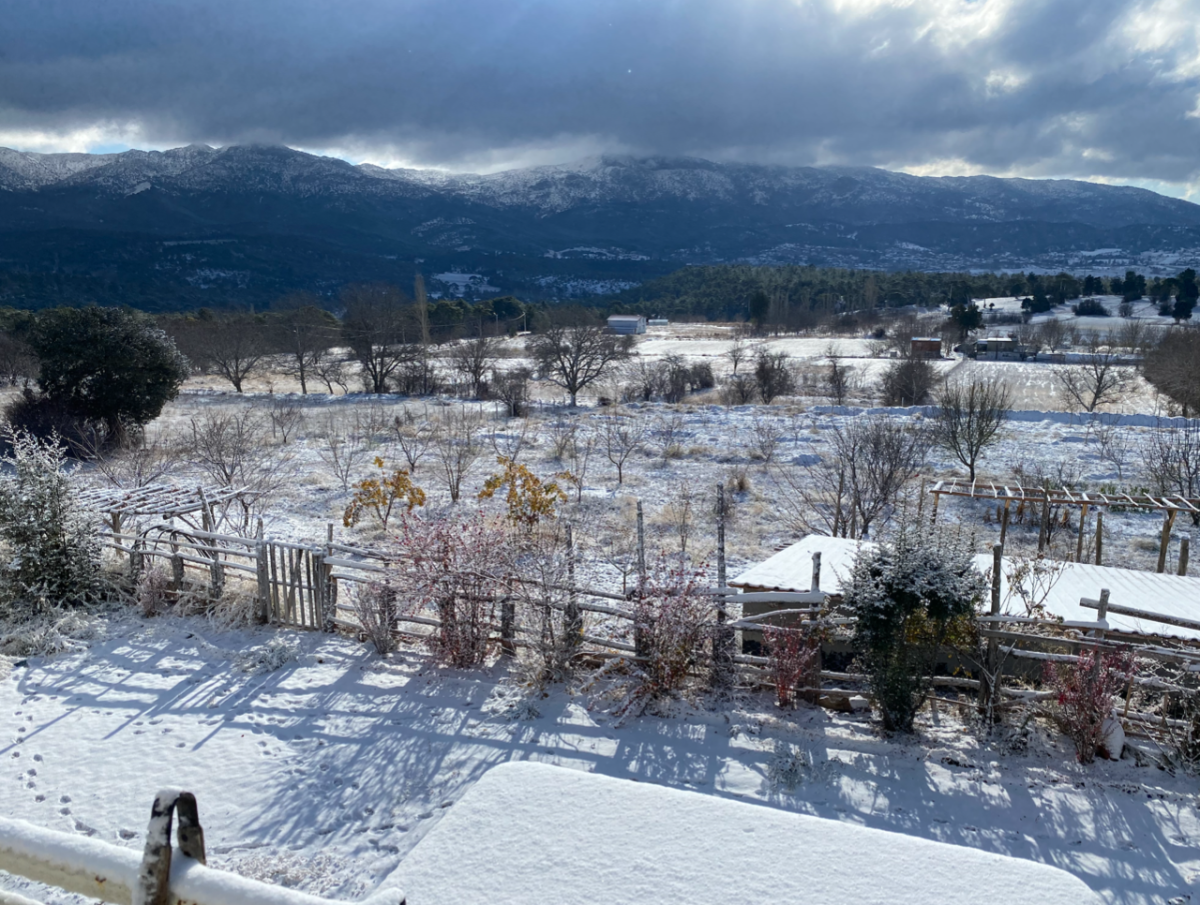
x=912, y=597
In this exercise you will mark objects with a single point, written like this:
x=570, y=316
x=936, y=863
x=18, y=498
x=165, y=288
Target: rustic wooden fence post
x=1044, y=525
x=176, y=569
x=1165, y=541
x=1099, y=537
x=135, y=559
x=263, y=573
x=1183, y=555
x=990, y=685
x=816, y=571
x=724, y=637
x=639, y=630
x=573, y=615
x=508, y=620
x=1004, y=521
x=1079, y=540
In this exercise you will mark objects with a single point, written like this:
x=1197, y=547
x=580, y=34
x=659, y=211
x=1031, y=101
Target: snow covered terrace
x=1175, y=596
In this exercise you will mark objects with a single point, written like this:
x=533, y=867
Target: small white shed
x=627, y=324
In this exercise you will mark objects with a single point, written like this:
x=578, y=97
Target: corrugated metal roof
x=1169, y=595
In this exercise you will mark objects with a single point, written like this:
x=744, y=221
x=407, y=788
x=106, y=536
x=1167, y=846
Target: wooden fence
x=314, y=587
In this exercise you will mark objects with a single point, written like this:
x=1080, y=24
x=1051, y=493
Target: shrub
x=152, y=593
x=529, y=499
x=456, y=569
x=1090, y=308
x=1085, y=695
x=379, y=496
x=375, y=607
x=791, y=658
x=673, y=621
x=908, y=382
x=110, y=364
x=911, y=597
x=53, y=557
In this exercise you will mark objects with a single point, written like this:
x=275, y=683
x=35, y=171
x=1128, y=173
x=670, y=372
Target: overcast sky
x=1097, y=89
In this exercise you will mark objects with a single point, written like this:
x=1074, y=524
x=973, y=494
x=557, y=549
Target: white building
x=627, y=324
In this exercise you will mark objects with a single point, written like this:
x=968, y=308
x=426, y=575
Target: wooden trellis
x=1047, y=497
x=165, y=501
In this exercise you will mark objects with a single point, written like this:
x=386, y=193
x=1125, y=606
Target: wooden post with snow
x=1099, y=536
x=1044, y=526
x=724, y=638
x=1079, y=540
x=639, y=631
x=573, y=615
x=1004, y=522
x=1165, y=540
x=1183, y=555
x=997, y=569
x=816, y=571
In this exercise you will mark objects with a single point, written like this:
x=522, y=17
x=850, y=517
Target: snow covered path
x=324, y=773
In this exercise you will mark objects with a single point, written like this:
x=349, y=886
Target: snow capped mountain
x=285, y=218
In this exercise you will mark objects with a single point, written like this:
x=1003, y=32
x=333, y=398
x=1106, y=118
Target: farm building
x=1175, y=597
x=658, y=322
x=627, y=324
x=926, y=347
x=998, y=348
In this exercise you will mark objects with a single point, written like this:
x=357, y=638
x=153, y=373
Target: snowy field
x=324, y=772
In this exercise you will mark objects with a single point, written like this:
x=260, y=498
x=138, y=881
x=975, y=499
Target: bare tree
x=839, y=377
x=330, y=369
x=1053, y=333
x=773, y=375
x=738, y=352
x=472, y=359
x=378, y=326
x=286, y=418
x=511, y=387
x=766, y=433
x=679, y=514
x=669, y=427
x=622, y=437
x=304, y=334
x=741, y=389
x=576, y=357
x=855, y=487
x=132, y=466
x=970, y=417
x=414, y=440
x=1116, y=445
x=579, y=451
x=231, y=449
x=456, y=448
x=1172, y=457
x=343, y=451
x=1173, y=367
x=1099, y=380
x=909, y=381
x=235, y=347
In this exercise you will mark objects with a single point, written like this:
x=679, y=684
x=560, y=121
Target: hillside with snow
x=278, y=219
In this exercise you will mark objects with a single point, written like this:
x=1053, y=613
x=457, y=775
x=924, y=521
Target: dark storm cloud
x=1100, y=87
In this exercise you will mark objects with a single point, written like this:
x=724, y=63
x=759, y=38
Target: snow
x=327, y=773
x=1170, y=595
x=528, y=834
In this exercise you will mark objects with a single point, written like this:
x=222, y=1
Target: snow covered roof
x=1170, y=595
x=530, y=834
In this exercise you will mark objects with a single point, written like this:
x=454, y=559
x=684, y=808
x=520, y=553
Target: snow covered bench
x=531, y=834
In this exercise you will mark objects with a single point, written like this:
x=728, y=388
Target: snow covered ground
x=324, y=773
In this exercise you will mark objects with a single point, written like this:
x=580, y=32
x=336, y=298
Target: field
x=319, y=764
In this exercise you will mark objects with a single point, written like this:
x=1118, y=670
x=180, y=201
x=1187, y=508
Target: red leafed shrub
x=673, y=621
x=455, y=569
x=1085, y=695
x=791, y=658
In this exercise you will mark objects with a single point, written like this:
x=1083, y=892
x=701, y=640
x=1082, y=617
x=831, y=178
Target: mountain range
x=199, y=225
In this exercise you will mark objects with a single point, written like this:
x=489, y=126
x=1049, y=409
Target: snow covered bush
x=1086, y=689
x=375, y=607
x=152, y=592
x=275, y=654
x=912, y=597
x=51, y=555
x=792, y=656
x=673, y=622
x=454, y=567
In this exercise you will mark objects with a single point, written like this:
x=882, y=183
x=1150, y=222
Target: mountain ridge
x=288, y=219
